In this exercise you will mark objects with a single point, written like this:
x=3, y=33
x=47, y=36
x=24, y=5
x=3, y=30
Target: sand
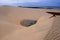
x=11, y=29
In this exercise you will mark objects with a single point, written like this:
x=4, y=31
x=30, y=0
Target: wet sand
x=11, y=29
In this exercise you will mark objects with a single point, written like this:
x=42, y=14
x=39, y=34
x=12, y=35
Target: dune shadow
x=28, y=23
x=54, y=32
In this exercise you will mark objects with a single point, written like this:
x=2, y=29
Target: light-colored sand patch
x=11, y=29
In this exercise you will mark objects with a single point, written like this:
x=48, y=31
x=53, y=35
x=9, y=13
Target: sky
x=18, y=1
x=31, y=2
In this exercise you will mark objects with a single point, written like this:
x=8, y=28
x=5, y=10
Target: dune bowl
x=17, y=23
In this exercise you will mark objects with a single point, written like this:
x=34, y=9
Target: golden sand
x=11, y=29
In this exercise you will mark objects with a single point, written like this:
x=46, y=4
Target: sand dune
x=11, y=29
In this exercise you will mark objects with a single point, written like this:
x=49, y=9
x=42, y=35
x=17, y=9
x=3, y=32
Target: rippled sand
x=44, y=29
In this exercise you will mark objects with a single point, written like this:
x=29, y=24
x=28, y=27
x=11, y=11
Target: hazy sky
x=18, y=1
x=31, y=2
x=24, y=1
